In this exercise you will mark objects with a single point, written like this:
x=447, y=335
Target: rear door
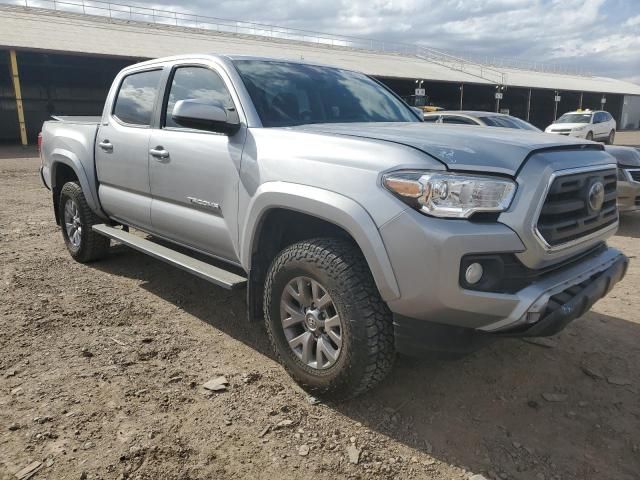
x=600, y=126
x=122, y=146
x=194, y=184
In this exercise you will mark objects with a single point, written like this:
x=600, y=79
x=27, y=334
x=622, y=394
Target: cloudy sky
x=597, y=36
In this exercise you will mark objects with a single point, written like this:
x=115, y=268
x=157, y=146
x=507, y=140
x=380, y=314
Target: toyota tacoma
x=357, y=230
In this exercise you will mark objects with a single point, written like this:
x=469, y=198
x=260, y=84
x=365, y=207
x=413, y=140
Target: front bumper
x=571, y=303
x=572, y=133
x=628, y=196
x=415, y=337
x=426, y=253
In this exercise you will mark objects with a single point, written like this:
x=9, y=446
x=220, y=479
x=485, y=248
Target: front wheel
x=325, y=318
x=76, y=220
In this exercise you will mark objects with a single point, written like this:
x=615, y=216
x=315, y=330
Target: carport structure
x=59, y=57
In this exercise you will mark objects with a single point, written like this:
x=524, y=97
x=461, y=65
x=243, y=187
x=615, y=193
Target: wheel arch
x=65, y=167
x=320, y=207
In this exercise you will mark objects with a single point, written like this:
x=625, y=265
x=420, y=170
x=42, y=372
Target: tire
x=589, y=136
x=366, y=354
x=611, y=137
x=82, y=242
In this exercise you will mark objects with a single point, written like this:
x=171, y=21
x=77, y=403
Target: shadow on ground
x=486, y=412
x=223, y=309
x=629, y=225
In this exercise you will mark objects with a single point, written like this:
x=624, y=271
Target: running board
x=223, y=278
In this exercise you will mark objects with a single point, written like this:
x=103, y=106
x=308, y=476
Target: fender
x=326, y=205
x=67, y=157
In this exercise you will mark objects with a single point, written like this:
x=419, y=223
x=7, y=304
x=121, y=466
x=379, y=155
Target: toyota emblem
x=596, y=196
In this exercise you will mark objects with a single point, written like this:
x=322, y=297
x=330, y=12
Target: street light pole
x=498, y=95
x=556, y=100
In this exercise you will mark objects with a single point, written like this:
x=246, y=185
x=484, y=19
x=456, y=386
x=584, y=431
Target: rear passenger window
x=196, y=83
x=458, y=120
x=137, y=95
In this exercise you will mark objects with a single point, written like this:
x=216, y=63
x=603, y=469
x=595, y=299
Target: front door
x=121, y=150
x=194, y=173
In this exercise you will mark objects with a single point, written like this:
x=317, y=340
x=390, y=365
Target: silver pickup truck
x=358, y=230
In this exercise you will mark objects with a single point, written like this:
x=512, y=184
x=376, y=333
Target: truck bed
x=70, y=140
x=78, y=119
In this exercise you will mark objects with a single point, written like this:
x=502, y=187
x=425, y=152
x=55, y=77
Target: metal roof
x=43, y=29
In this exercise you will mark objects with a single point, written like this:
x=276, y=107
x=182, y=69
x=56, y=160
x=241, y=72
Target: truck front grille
x=635, y=174
x=572, y=210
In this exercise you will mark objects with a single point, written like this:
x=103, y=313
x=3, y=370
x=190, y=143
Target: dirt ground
x=102, y=367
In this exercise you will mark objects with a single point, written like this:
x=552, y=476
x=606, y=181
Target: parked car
x=422, y=103
x=628, y=177
x=591, y=125
x=487, y=119
x=357, y=230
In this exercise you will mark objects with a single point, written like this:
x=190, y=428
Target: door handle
x=106, y=145
x=159, y=153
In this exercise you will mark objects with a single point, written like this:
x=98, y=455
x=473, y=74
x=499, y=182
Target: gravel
x=114, y=355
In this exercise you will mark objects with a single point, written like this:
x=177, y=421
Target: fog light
x=473, y=274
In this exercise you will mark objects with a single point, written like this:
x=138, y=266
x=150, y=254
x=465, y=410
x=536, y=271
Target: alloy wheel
x=311, y=323
x=72, y=223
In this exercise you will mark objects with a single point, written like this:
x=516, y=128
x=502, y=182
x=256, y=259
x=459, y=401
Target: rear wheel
x=611, y=137
x=325, y=318
x=590, y=136
x=76, y=220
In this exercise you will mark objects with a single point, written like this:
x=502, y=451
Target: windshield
x=508, y=122
x=575, y=118
x=287, y=94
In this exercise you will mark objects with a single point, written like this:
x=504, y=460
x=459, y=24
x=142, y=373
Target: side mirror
x=205, y=115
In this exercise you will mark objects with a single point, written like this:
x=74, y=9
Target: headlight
x=450, y=195
x=577, y=129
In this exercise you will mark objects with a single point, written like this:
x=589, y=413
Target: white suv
x=592, y=125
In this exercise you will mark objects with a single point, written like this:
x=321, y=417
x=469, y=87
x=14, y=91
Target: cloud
x=598, y=36
x=632, y=22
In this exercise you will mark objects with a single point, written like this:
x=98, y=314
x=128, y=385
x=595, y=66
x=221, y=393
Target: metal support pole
x=580, y=107
x=18, y=92
x=528, y=105
x=461, y=94
x=555, y=107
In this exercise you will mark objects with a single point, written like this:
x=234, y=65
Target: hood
x=566, y=126
x=625, y=156
x=499, y=150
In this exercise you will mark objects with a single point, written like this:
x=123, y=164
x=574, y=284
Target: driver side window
x=191, y=83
